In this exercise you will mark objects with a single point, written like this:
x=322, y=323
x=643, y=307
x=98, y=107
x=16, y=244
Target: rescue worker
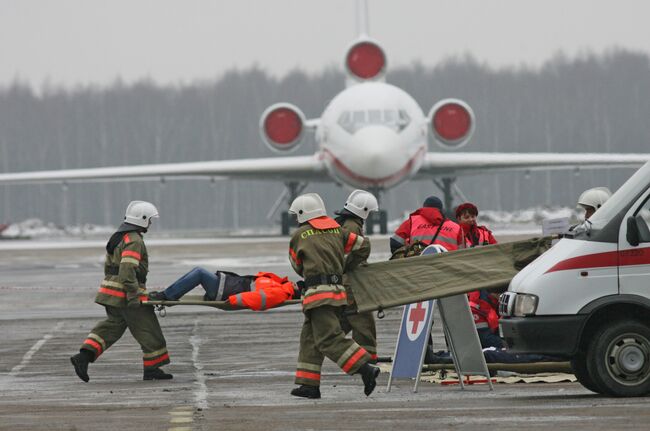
x=317, y=252
x=258, y=292
x=592, y=199
x=352, y=217
x=474, y=234
x=125, y=274
x=429, y=226
x=484, y=304
x=485, y=311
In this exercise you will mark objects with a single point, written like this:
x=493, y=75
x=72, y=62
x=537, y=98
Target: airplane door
x=634, y=261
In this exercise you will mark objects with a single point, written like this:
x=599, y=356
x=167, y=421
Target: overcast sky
x=94, y=41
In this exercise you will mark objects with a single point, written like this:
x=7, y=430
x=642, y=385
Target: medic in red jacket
x=428, y=226
x=475, y=235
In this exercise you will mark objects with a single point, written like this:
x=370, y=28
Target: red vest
x=478, y=235
x=449, y=235
x=484, y=312
x=268, y=291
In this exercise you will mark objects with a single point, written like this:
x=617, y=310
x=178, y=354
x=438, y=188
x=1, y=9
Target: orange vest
x=449, y=236
x=268, y=291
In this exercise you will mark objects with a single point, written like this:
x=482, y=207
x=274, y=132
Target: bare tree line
x=587, y=104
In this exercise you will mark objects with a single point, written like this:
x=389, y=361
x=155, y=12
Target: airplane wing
x=459, y=164
x=297, y=168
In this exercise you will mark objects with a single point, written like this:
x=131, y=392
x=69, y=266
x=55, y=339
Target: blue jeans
x=189, y=281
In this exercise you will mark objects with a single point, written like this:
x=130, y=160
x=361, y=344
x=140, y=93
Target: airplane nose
x=376, y=152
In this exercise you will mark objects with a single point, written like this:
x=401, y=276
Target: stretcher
x=381, y=285
x=198, y=300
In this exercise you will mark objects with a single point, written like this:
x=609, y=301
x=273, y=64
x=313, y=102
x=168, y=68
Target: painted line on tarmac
x=183, y=416
x=32, y=351
x=201, y=390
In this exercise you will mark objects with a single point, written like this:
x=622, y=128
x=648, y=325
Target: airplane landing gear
x=294, y=188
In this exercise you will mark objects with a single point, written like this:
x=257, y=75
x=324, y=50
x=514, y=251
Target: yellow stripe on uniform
x=307, y=366
x=347, y=355
x=113, y=284
x=130, y=260
x=154, y=354
x=99, y=339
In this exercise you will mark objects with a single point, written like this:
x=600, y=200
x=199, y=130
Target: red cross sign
x=417, y=314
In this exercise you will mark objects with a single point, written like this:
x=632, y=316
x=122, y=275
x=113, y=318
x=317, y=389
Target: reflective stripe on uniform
x=239, y=300
x=154, y=354
x=336, y=296
x=222, y=285
x=398, y=239
x=95, y=345
x=353, y=360
x=99, y=339
x=481, y=325
x=308, y=366
x=114, y=284
x=111, y=292
x=263, y=298
x=131, y=253
x=352, y=237
x=130, y=260
x=294, y=257
x=307, y=375
x=358, y=243
x=149, y=363
x=347, y=354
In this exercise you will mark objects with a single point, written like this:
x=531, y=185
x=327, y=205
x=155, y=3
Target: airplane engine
x=365, y=61
x=451, y=123
x=282, y=127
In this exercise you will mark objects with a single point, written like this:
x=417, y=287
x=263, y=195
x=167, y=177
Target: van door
x=634, y=261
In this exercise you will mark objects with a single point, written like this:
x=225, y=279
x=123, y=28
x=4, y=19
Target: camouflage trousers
x=143, y=325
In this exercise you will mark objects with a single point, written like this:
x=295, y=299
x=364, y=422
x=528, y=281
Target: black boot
x=156, y=374
x=158, y=296
x=80, y=362
x=369, y=375
x=306, y=391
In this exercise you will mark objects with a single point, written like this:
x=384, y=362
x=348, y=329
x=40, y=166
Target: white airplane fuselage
x=372, y=135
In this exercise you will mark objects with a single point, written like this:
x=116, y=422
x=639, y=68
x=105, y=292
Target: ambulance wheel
x=618, y=357
x=579, y=366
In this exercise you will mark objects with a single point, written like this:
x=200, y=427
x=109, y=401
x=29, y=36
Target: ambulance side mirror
x=632, y=235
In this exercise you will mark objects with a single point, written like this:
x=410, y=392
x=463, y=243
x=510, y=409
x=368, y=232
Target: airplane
x=372, y=135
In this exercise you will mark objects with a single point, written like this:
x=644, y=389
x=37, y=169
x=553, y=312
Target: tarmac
x=232, y=370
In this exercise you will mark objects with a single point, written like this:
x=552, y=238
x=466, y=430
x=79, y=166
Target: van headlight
x=525, y=305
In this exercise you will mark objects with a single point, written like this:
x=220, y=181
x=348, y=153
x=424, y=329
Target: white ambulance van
x=587, y=299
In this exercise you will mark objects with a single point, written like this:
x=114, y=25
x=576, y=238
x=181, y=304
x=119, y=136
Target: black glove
x=301, y=285
x=133, y=302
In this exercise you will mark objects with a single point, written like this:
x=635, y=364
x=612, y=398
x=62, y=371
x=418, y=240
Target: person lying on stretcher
x=258, y=292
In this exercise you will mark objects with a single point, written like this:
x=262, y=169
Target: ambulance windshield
x=623, y=196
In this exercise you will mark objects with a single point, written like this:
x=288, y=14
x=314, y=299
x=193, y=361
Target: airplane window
x=374, y=117
x=352, y=121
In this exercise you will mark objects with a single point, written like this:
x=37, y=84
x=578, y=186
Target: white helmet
x=308, y=206
x=595, y=197
x=361, y=203
x=140, y=213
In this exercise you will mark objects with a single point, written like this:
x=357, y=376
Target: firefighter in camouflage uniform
x=123, y=287
x=320, y=250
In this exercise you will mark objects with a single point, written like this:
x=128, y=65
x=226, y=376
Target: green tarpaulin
x=383, y=285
